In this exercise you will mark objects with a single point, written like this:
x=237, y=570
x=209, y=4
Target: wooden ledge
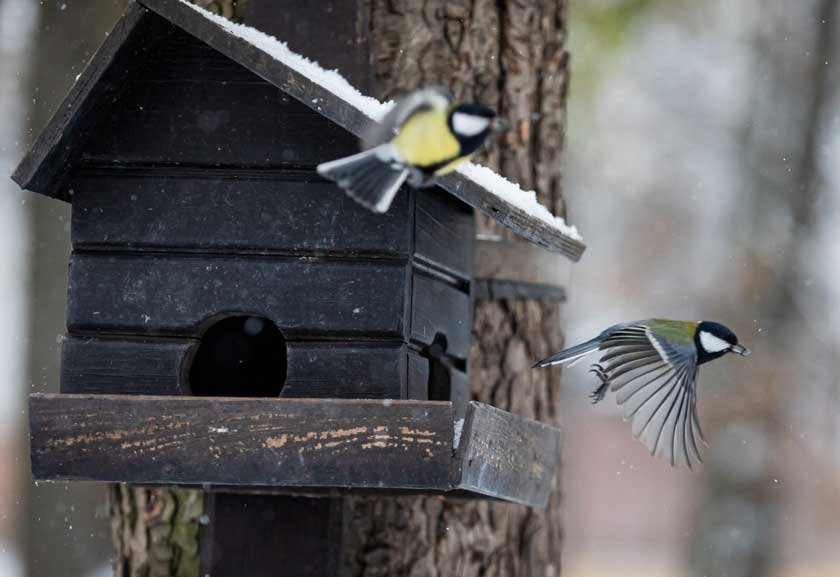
x=364, y=445
x=509, y=269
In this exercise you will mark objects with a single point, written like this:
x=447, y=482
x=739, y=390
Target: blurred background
x=702, y=170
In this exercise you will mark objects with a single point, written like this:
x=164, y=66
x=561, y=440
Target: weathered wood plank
x=201, y=121
x=216, y=211
x=345, y=370
x=178, y=295
x=126, y=366
x=445, y=232
x=270, y=442
x=261, y=535
x=506, y=456
x=439, y=308
x=418, y=377
x=160, y=366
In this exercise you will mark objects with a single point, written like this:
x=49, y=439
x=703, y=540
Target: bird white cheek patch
x=469, y=125
x=713, y=344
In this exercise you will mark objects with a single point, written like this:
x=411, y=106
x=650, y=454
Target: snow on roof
x=335, y=83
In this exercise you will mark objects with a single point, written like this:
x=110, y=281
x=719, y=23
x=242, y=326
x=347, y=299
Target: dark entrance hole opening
x=239, y=356
x=440, y=377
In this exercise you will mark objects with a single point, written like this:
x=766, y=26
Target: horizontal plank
x=127, y=367
x=160, y=366
x=179, y=295
x=269, y=442
x=346, y=370
x=216, y=211
x=508, y=457
x=445, y=232
x=440, y=309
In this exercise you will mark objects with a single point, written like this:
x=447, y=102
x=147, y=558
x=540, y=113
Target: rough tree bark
x=510, y=55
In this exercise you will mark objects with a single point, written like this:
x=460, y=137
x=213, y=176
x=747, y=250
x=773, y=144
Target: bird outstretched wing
x=654, y=379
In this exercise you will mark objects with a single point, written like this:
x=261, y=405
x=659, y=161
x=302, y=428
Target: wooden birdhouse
x=235, y=320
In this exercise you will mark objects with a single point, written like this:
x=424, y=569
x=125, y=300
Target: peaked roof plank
x=48, y=163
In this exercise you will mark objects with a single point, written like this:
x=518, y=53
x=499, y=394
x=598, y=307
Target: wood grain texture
x=347, y=370
x=285, y=442
x=507, y=457
x=160, y=366
x=178, y=295
x=440, y=309
x=223, y=210
x=125, y=366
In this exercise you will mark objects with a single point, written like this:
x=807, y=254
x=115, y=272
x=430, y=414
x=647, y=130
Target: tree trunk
x=511, y=57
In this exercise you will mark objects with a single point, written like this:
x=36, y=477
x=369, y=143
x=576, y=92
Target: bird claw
x=599, y=393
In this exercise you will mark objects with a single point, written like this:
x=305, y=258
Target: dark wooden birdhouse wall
x=210, y=259
x=211, y=262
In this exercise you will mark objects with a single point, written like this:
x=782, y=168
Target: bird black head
x=471, y=123
x=713, y=340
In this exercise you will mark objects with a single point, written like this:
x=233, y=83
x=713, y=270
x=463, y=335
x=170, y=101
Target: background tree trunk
x=509, y=55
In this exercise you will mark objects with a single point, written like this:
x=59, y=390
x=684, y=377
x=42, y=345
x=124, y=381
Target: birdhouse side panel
x=444, y=233
x=160, y=366
x=228, y=210
x=178, y=295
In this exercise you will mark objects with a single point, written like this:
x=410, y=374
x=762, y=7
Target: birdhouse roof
x=48, y=165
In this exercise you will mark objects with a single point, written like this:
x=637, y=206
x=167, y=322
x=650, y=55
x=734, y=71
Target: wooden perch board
x=508, y=457
x=194, y=440
x=365, y=445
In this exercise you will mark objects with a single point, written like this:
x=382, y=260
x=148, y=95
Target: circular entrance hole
x=239, y=356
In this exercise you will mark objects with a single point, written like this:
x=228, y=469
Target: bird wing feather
x=651, y=366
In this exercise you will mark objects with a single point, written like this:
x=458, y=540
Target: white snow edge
x=331, y=80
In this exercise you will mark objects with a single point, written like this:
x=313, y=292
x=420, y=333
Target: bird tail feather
x=572, y=354
x=369, y=177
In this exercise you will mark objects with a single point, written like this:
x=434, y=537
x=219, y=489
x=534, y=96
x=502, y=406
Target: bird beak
x=740, y=350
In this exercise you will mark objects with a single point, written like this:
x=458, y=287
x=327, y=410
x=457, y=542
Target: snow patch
x=514, y=194
x=328, y=79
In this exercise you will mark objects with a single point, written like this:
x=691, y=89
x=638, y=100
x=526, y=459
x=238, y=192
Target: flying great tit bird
x=423, y=136
x=652, y=366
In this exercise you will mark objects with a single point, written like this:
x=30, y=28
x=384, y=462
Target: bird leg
x=599, y=393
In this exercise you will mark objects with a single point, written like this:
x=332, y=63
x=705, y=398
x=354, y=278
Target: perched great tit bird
x=423, y=136
x=652, y=366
